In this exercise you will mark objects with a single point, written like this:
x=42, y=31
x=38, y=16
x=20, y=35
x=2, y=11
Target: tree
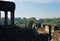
x=29, y=22
x=16, y=23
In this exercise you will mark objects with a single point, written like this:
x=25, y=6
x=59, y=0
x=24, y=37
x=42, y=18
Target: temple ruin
x=7, y=6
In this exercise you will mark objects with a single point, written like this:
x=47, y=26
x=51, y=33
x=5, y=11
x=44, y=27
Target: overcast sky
x=37, y=8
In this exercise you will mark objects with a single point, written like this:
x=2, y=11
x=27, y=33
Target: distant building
x=46, y=28
x=41, y=31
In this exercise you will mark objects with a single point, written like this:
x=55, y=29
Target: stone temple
x=7, y=6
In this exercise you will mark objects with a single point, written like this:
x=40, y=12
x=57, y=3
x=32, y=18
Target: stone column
x=12, y=18
x=0, y=17
x=6, y=18
x=50, y=37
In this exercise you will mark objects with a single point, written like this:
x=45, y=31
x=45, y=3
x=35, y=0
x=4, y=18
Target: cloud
x=38, y=1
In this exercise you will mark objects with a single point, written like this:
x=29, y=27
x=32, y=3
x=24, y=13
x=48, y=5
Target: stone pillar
x=0, y=17
x=6, y=17
x=50, y=37
x=12, y=18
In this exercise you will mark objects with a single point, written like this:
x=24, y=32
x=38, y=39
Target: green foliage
x=28, y=22
x=16, y=23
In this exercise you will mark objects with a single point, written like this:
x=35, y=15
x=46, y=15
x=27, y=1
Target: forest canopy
x=26, y=21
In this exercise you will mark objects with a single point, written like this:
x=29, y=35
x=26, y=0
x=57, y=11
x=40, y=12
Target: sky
x=37, y=8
